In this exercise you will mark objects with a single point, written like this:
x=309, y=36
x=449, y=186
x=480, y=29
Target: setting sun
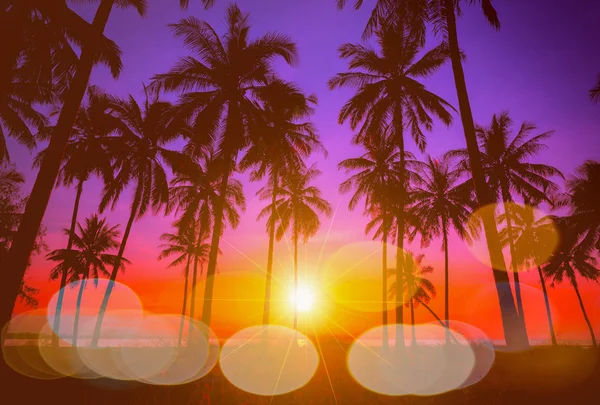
x=305, y=298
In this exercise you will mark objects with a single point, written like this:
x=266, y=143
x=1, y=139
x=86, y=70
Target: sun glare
x=303, y=299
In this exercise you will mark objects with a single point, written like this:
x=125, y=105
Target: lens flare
x=424, y=366
x=268, y=360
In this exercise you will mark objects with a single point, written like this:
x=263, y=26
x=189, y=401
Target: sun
x=304, y=299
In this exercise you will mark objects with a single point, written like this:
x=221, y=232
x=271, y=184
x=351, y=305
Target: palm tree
x=85, y=154
x=389, y=94
x=443, y=202
x=194, y=193
x=89, y=258
x=569, y=261
x=595, y=91
x=141, y=155
x=508, y=171
x=281, y=139
x=220, y=87
x=298, y=207
x=584, y=193
x=417, y=288
x=183, y=246
x=24, y=241
x=534, y=240
x=376, y=171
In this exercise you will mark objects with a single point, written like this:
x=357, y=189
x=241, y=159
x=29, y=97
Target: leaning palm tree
x=219, y=87
x=93, y=44
x=282, y=138
x=508, y=171
x=85, y=154
x=374, y=173
x=534, y=240
x=583, y=195
x=417, y=288
x=88, y=259
x=442, y=203
x=569, y=261
x=298, y=208
x=390, y=95
x=141, y=158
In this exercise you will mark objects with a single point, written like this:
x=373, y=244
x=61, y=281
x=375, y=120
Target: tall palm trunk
x=585, y=316
x=17, y=259
x=384, y=287
x=547, y=302
x=65, y=273
x=184, y=306
x=400, y=218
x=295, y=274
x=195, y=282
x=515, y=267
x=269, y=275
x=446, y=278
x=514, y=332
x=115, y=270
x=412, y=321
x=77, y=312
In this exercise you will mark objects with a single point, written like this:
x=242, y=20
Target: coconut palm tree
x=89, y=258
x=534, y=240
x=219, y=87
x=508, y=172
x=141, y=158
x=282, y=139
x=183, y=245
x=417, y=288
x=374, y=173
x=595, y=91
x=569, y=261
x=24, y=241
x=298, y=208
x=583, y=194
x=85, y=154
x=390, y=95
x=443, y=202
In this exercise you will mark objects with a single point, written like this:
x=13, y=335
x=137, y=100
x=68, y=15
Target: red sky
x=539, y=67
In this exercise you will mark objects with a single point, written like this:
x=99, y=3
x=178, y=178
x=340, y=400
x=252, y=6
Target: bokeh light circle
x=426, y=366
x=268, y=360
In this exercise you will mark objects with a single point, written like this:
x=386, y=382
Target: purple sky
x=539, y=67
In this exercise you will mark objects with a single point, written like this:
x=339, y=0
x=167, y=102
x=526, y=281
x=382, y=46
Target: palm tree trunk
x=195, y=281
x=412, y=321
x=446, y=279
x=384, y=291
x=585, y=316
x=269, y=275
x=65, y=273
x=295, y=274
x=513, y=255
x=437, y=318
x=184, y=306
x=398, y=122
x=77, y=312
x=115, y=270
x=548, y=311
x=514, y=332
x=214, y=250
x=18, y=257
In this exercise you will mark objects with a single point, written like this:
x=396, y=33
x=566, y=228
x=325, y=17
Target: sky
x=538, y=67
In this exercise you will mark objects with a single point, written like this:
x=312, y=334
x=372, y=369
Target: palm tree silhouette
x=377, y=171
x=282, y=139
x=88, y=260
x=223, y=83
x=183, y=245
x=24, y=241
x=417, y=288
x=569, y=261
x=194, y=194
x=442, y=201
x=298, y=208
x=85, y=154
x=595, y=91
x=533, y=242
x=584, y=193
x=140, y=159
x=507, y=170
x=389, y=94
